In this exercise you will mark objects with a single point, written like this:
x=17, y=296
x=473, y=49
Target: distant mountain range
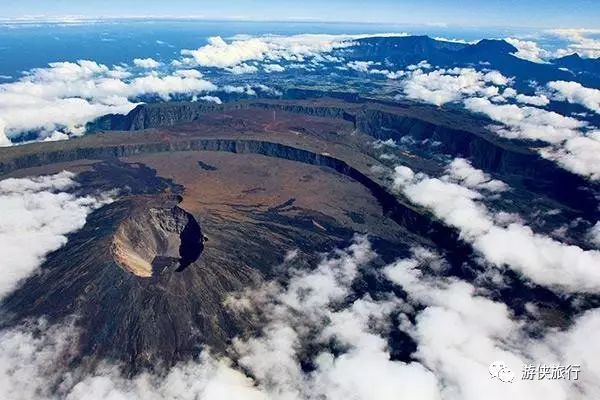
x=497, y=54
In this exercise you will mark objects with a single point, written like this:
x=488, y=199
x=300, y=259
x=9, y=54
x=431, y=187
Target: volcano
x=209, y=201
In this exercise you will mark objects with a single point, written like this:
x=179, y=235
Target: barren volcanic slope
x=146, y=277
x=211, y=200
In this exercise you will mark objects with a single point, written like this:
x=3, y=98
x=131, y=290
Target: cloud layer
x=528, y=50
x=572, y=142
x=574, y=92
x=459, y=203
x=221, y=54
x=37, y=214
x=65, y=96
x=443, y=86
x=315, y=317
x=584, y=42
x=482, y=331
x=309, y=310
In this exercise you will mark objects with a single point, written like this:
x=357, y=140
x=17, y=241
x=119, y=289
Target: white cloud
x=496, y=78
x=539, y=100
x=307, y=311
x=529, y=50
x=28, y=359
x=147, y=63
x=211, y=99
x=219, y=53
x=65, y=96
x=314, y=308
x=594, y=235
x=575, y=93
x=525, y=122
x=270, y=68
x=450, y=85
x=188, y=73
x=165, y=86
x=393, y=75
x=365, y=67
x=480, y=93
x=378, y=144
x=246, y=89
x=266, y=89
x=423, y=64
x=4, y=140
x=452, y=40
x=32, y=358
x=509, y=92
x=580, y=42
x=461, y=171
x=580, y=155
x=571, y=147
x=37, y=214
x=360, y=66
x=204, y=379
x=541, y=259
x=484, y=331
x=304, y=312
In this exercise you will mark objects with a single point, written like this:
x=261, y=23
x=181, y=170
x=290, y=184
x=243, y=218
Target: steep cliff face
x=537, y=174
x=512, y=162
x=413, y=220
x=485, y=152
x=156, y=115
x=160, y=115
x=312, y=110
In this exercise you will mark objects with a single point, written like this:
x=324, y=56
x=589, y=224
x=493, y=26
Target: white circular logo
x=498, y=369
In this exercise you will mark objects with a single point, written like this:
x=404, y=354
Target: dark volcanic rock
x=142, y=321
x=461, y=137
x=153, y=115
x=487, y=48
x=405, y=50
x=575, y=63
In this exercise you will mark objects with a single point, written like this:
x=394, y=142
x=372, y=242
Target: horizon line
x=79, y=19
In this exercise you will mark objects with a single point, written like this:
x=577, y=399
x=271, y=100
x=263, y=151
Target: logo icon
x=499, y=370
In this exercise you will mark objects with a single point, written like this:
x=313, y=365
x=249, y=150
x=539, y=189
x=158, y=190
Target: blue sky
x=523, y=13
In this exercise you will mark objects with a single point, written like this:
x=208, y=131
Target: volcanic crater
x=158, y=237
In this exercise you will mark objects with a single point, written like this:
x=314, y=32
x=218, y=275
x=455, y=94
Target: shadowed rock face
x=156, y=240
x=459, y=135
